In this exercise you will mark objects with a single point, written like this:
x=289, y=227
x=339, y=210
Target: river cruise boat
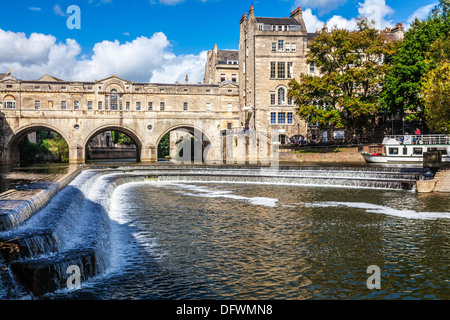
x=408, y=148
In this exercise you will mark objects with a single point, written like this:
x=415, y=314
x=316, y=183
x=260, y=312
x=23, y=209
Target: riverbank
x=344, y=155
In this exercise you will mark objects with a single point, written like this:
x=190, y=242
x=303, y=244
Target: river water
x=197, y=240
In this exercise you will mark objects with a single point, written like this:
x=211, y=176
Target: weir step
x=442, y=179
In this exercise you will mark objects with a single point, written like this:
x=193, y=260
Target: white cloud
x=376, y=10
x=421, y=13
x=35, y=9
x=323, y=5
x=58, y=11
x=142, y=60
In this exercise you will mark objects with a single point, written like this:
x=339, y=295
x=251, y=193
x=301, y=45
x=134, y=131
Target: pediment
x=49, y=78
x=9, y=78
x=113, y=79
x=228, y=84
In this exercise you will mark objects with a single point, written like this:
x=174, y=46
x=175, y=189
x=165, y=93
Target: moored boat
x=409, y=148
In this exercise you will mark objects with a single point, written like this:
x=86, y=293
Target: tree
x=436, y=87
x=409, y=65
x=346, y=95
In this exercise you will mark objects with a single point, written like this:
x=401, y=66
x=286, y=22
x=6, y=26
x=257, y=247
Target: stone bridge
x=79, y=111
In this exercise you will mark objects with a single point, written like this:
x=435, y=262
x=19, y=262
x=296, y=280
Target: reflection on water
x=237, y=241
x=12, y=176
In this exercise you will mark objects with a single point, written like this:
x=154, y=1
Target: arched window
x=9, y=102
x=281, y=96
x=114, y=100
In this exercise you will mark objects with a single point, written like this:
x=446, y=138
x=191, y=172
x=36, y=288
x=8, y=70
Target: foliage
x=52, y=144
x=121, y=138
x=436, y=88
x=346, y=94
x=57, y=146
x=164, y=146
x=409, y=65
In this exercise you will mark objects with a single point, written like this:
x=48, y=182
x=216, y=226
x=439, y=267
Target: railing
x=420, y=139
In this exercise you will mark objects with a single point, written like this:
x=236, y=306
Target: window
x=393, y=151
x=208, y=106
x=37, y=87
x=138, y=105
x=290, y=118
x=274, y=46
x=234, y=77
x=100, y=105
x=114, y=100
x=162, y=106
x=120, y=103
x=150, y=106
x=185, y=106
x=274, y=28
x=9, y=86
x=76, y=105
x=272, y=99
x=106, y=102
x=290, y=101
x=230, y=108
x=273, y=118
x=288, y=47
x=10, y=104
x=281, y=118
x=37, y=105
x=229, y=126
x=89, y=105
x=293, y=47
x=127, y=105
x=260, y=26
x=417, y=151
x=405, y=151
x=312, y=67
x=272, y=70
x=281, y=97
x=222, y=77
x=290, y=70
x=280, y=45
x=281, y=70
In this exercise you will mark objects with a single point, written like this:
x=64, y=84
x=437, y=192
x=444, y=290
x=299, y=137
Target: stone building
x=222, y=66
x=272, y=51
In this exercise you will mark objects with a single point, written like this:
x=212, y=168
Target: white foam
x=203, y=191
x=373, y=208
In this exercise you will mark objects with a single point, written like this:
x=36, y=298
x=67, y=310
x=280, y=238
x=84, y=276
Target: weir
x=74, y=227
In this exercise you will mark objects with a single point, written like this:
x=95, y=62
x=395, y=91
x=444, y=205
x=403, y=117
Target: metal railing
x=433, y=139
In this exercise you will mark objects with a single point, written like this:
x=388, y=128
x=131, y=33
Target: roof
x=228, y=55
x=311, y=36
x=278, y=21
x=2, y=75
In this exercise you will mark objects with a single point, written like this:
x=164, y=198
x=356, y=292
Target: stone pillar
x=148, y=154
x=76, y=155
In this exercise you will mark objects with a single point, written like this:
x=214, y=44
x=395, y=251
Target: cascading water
x=75, y=227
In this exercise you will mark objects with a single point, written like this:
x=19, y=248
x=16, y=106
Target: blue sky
x=185, y=29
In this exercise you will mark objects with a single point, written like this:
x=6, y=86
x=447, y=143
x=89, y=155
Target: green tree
x=346, y=94
x=57, y=146
x=435, y=89
x=164, y=146
x=409, y=65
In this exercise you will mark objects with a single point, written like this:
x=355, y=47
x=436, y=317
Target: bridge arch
x=13, y=156
x=191, y=129
x=128, y=131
